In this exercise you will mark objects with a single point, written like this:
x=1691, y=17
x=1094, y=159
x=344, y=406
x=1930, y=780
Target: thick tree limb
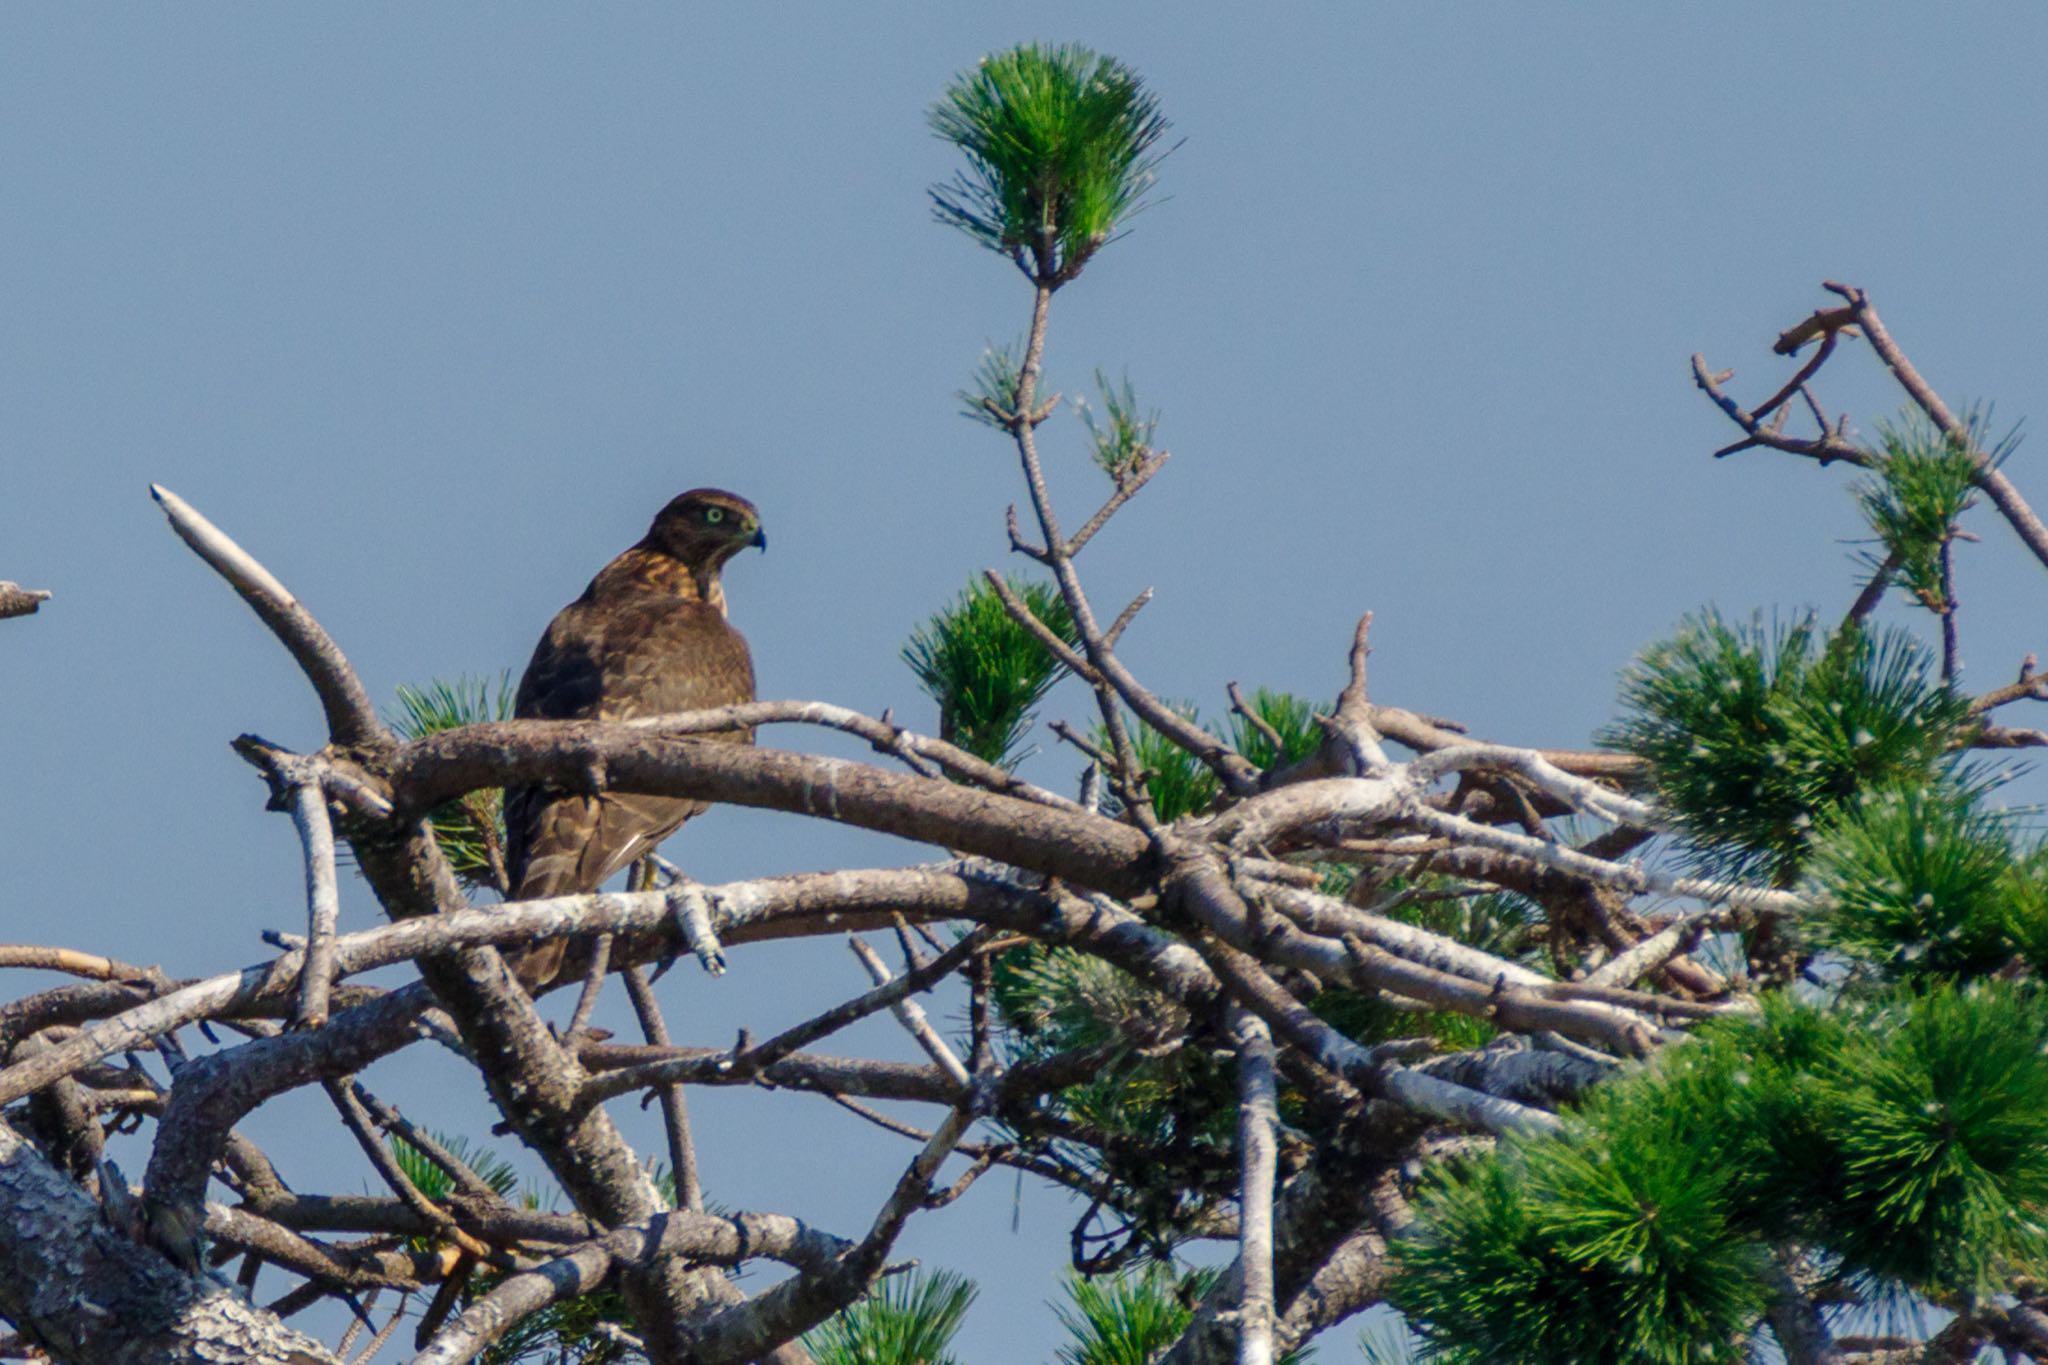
x=700, y=1237
x=16, y=600
x=88, y=1295
x=1074, y=844
x=214, y=1092
x=1258, y=1122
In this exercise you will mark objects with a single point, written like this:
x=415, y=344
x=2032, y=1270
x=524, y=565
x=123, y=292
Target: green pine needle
x=984, y=670
x=1291, y=718
x=1389, y=1342
x=435, y=1183
x=1131, y=1318
x=910, y=1319
x=991, y=395
x=1063, y=999
x=1181, y=784
x=1923, y=485
x=1162, y=1115
x=469, y=829
x=1121, y=437
x=1580, y=1250
x=1754, y=736
x=1178, y=782
x=1125, y=1319
x=1901, y=1143
x=1921, y=885
x=1935, y=1113
x=1060, y=153
x=2026, y=908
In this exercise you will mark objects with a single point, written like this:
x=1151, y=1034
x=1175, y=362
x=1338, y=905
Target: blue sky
x=433, y=307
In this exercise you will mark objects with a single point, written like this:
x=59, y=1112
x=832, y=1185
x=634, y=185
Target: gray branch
x=87, y=1294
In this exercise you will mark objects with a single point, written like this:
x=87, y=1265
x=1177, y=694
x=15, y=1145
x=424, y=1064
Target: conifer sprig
x=1060, y=145
x=1900, y=1140
x=1564, y=1250
x=435, y=1183
x=990, y=397
x=469, y=829
x=1121, y=437
x=1164, y=1113
x=1925, y=481
x=908, y=1319
x=1922, y=885
x=1756, y=735
x=984, y=670
x=1131, y=1317
x=1181, y=784
x=1935, y=1110
x=1289, y=717
x=1178, y=782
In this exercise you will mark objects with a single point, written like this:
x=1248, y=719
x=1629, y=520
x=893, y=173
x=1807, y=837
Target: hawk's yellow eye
x=714, y=515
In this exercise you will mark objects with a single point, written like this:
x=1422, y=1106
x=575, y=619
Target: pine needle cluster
x=1181, y=784
x=1178, y=782
x=470, y=829
x=1060, y=145
x=1289, y=717
x=1924, y=885
x=435, y=1183
x=1132, y=1317
x=984, y=670
x=1901, y=1140
x=990, y=397
x=1121, y=438
x=1925, y=481
x=911, y=1319
x=1755, y=735
x=1574, y=1252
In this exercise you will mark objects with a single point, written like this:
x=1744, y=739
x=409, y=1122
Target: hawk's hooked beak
x=760, y=539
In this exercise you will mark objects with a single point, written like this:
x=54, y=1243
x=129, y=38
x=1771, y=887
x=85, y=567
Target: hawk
x=648, y=636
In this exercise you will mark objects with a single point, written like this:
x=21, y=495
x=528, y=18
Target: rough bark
x=86, y=1293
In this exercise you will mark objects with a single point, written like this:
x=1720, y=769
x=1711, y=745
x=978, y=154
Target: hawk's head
x=705, y=527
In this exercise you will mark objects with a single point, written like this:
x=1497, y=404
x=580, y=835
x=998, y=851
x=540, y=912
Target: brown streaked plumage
x=648, y=636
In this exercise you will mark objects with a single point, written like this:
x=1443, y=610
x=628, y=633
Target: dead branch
x=16, y=600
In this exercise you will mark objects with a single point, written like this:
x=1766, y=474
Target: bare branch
x=1126, y=488
x=593, y=985
x=1577, y=792
x=1873, y=591
x=885, y=995
x=1258, y=1120
x=323, y=900
x=911, y=1016
x=1252, y=718
x=16, y=600
x=2031, y=686
x=883, y=734
x=675, y=1112
x=1125, y=617
x=778, y=1314
x=363, y=1127
x=351, y=717
x=1830, y=446
x=700, y=1237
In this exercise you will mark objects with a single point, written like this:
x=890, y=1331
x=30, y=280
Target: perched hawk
x=648, y=636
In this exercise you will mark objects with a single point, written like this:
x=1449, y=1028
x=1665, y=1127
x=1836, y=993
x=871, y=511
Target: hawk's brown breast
x=639, y=642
